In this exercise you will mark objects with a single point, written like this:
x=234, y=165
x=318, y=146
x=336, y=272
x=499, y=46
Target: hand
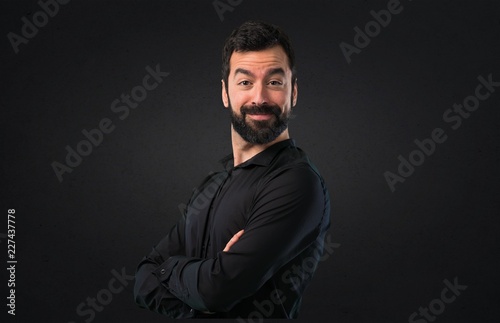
x=233, y=240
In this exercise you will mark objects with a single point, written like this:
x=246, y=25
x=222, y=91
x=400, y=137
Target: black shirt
x=281, y=201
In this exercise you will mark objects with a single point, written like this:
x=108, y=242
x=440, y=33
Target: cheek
x=282, y=99
x=234, y=96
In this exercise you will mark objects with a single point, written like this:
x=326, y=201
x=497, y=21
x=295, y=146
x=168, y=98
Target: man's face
x=259, y=94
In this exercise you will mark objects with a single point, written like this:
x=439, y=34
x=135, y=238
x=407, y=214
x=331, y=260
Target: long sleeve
x=288, y=215
x=148, y=290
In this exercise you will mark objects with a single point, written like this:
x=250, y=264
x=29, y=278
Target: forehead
x=260, y=60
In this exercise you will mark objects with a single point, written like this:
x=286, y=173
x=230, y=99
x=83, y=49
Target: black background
x=354, y=120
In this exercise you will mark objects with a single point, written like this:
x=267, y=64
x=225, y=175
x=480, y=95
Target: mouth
x=260, y=117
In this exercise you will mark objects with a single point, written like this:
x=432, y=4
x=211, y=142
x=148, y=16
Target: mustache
x=261, y=109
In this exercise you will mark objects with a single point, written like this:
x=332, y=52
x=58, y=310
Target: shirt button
x=163, y=271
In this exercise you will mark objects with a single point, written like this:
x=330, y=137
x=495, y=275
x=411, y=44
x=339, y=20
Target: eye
x=274, y=82
x=244, y=83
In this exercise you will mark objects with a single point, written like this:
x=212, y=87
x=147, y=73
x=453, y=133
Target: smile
x=261, y=116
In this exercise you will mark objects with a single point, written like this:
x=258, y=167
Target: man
x=252, y=235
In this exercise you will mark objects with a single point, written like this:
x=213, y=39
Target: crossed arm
x=286, y=218
x=167, y=303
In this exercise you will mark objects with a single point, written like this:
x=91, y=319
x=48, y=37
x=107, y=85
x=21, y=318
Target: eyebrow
x=274, y=71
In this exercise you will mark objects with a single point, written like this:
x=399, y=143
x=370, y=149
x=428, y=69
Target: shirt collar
x=263, y=158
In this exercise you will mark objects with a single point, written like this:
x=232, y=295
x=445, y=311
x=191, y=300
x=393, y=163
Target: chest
x=221, y=209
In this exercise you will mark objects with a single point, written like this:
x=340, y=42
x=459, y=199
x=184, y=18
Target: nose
x=259, y=95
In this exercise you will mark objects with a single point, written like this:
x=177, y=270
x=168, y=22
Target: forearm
x=150, y=293
x=218, y=284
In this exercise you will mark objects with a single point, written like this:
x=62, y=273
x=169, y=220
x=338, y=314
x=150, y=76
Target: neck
x=243, y=150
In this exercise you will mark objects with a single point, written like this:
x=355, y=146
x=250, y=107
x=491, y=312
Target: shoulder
x=292, y=162
x=293, y=168
x=293, y=187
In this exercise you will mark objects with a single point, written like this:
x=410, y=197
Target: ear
x=295, y=93
x=225, y=99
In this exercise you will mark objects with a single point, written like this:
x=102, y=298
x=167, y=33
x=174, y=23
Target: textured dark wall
x=392, y=250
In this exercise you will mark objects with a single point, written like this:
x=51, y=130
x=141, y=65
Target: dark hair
x=255, y=36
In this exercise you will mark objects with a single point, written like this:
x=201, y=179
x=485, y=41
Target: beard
x=259, y=131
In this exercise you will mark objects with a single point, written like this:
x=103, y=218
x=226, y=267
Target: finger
x=238, y=234
x=230, y=243
x=236, y=237
x=233, y=240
